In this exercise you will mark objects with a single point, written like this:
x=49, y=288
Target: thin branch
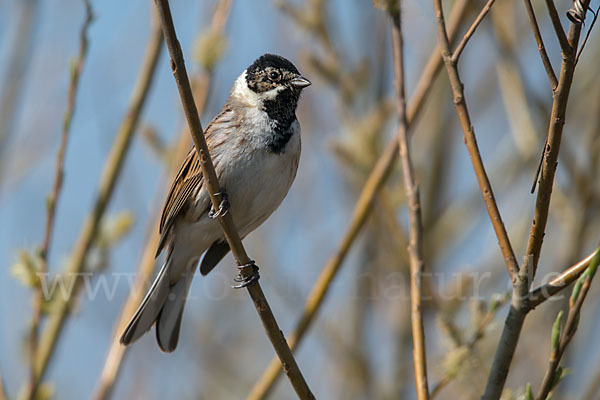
x=116, y=352
x=361, y=211
x=557, y=121
x=518, y=311
x=53, y=197
x=556, y=285
x=415, y=246
x=565, y=45
x=78, y=259
x=471, y=143
x=541, y=47
x=461, y=46
x=580, y=291
x=587, y=35
x=262, y=307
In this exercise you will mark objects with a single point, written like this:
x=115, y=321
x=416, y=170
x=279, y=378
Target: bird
x=254, y=142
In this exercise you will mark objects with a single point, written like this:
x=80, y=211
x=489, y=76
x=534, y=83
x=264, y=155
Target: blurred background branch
x=415, y=245
x=53, y=197
x=15, y=73
x=112, y=170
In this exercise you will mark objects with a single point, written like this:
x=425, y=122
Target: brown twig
x=518, y=311
x=461, y=46
x=52, y=200
x=116, y=352
x=471, y=143
x=580, y=291
x=556, y=285
x=415, y=246
x=587, y=35
x=361, y=211
x=262, y=307
x=112, y=170
x=557, y=121
x=565, y=43
x=541, y=47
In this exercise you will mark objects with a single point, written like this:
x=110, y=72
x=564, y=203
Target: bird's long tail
x=163, y=304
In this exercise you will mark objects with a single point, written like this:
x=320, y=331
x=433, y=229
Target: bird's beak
x=300, y=82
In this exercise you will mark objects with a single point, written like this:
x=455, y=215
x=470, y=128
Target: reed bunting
x=254, y=142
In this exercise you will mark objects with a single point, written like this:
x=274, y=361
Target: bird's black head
x=275, y=85
x=271, y=74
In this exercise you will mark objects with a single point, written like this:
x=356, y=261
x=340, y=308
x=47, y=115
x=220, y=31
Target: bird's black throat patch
x=282, y=113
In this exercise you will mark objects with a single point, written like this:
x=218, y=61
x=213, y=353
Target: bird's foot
x=223, y=206
x=242, y=280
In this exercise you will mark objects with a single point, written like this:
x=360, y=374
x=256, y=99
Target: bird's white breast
x=259, y=179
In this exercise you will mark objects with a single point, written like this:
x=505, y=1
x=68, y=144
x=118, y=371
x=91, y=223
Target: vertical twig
x=415, y=246
x=374, y=182
x=565, y=43
x=471, y=141
x=262, y=306
x=540, y=43
x=516, y=316
x=52, y=200
x=116, y=352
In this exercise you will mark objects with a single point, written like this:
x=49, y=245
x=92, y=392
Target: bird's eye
x=274, y=75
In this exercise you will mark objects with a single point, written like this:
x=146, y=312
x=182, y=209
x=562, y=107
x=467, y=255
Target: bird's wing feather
x=189, y=179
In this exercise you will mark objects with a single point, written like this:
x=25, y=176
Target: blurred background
x=359, y=346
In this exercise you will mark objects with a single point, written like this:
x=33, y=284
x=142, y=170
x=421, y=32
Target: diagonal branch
x=361, y=211
x=541, y=47
x=415, y=246
x=461, y=46
x=471, y=143
x=116, y=352
x=565, y=45
x=233, y=239
x=556, y=285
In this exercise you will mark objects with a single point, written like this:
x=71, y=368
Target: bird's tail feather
x=149, y=309
x=163, y=304
x=168, y=321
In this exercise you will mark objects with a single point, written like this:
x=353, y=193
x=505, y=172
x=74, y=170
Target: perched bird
x=254, y=143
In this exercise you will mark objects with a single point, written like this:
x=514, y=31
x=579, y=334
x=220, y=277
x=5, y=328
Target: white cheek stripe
x=242, y=92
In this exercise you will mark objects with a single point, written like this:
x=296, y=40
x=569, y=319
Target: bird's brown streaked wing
x=189, y=178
